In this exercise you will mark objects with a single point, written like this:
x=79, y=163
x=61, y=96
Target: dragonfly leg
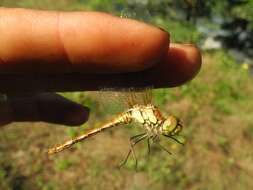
x=133, y=141
x=125, y=160
x=155, y=138
x=148, y=142
x=156, y=141
x=171, y=137
x=130, y=150
x=132, y=144
x=163, y=148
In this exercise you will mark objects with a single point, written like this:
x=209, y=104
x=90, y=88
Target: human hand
x=44, y=51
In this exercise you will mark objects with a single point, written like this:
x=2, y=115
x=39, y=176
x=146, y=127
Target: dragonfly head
x=171, y=126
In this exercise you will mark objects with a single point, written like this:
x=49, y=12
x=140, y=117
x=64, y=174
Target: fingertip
x=77, y=116
x=192, y=57
x=184, y=62
x=56, y=109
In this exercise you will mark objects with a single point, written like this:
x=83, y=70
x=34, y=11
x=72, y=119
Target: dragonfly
x=142, y=112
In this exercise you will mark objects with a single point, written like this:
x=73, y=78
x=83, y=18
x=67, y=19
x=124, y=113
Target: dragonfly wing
x=110, y=100
x=139, y=96
x=117, y=100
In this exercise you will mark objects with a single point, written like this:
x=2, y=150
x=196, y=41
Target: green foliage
x=222, y=90
x=81, y=98
x=161, y=96
x=179, y=31
x=44, y=185
x=63, y=164
x=72, y=133
x=2, y=174
x=99, y=5
x=244, y=11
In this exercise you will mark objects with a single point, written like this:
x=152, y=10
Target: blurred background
x=216, y=109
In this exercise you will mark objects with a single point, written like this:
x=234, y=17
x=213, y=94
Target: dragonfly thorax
x=148, y=116
x=151, y=118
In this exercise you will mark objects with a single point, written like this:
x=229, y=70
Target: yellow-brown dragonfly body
x=148, y=116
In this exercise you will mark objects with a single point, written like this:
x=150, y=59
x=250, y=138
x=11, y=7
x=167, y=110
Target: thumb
x=46, y=107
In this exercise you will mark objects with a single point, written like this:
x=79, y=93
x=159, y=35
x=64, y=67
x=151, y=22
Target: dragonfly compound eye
x=171, y=126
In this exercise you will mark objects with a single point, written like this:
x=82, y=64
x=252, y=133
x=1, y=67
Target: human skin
x=48, y=51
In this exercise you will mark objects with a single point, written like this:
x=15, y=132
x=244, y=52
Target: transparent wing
x=125, y=98
x=138, y=96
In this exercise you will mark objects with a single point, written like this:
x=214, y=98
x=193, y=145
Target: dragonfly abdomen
x=122, y=118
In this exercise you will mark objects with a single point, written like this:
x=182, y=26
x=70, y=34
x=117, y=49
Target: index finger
x=46, y=42
x=38, y=55
x=180, y=65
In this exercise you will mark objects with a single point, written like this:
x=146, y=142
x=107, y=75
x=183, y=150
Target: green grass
x=64, y=164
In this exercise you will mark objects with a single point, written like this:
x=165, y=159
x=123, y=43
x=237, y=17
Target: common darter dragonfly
x=140, y=111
